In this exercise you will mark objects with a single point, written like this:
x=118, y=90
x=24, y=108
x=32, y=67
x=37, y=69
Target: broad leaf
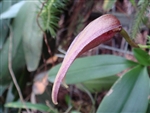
x=2, y=89
x=12, y=11
x=18, y=63
x=40, y=107
x=129, y=94
x=17, y=49
x=142, y=56
x=98, y=85
x=4, y=23
x=93, y=67
x=32, y=37
x=3, y=32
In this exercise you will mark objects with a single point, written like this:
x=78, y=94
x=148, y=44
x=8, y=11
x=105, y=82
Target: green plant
x=50, y=14
x=140, y=15
x=23, y=24
x=21, y=41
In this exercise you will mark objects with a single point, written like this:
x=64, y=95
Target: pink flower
x=98, y=31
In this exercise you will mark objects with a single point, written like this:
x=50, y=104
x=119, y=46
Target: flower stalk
x=125, y=35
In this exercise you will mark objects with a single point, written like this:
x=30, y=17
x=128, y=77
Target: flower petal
x=95, y=33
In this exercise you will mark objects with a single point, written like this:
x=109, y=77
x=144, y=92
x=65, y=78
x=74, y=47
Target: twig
x=45, y=38
x=90, y=95
x=114, y=49
x=68, y=110
x=51, y=108
x=11, y=70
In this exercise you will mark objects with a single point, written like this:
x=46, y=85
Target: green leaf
x=142, y=56
x=75, y=111
x=40, y=107
x=133, y=3
x=97, y=85
x=148, y=109
x=32, y=37
x=93, y=67
x=2, y=89
x=50, y=15
x=4, y=23
x=108, y=4
x=140, y=14
x=12, y=11
x=19, y=26
x=18, y=60
x=140, y=2
x=3, y=32
x=129, y=94
x=18, y=63
x=5, y=5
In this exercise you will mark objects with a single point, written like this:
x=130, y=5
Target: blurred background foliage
x=41, y=33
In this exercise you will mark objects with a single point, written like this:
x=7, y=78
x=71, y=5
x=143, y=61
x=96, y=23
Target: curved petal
x=95, y=33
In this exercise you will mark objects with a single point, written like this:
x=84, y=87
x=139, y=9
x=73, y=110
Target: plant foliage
x=40, y=107
x=108, y=4
x=129, y=93
x=143, y=6
x=93, y=68
x=50, y=14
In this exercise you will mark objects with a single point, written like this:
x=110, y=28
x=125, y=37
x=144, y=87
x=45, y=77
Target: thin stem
x=90, y=95
x=49, y=12
x=11, y=70
x=51, y=108
x=125, y=35
x=144, y=46
x=45, y=38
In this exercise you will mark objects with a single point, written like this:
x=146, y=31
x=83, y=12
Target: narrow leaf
x=148, y=109
x=2, y=89
x=40, y=107
x=98, y=31
x=92, y=67
x=18, y=60
x=32, y=37
x=12, y=11
x=142, y=56
x=4, y=23
x=101, y=84
x=129, y=93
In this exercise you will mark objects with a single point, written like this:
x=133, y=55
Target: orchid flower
x=98, y=31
